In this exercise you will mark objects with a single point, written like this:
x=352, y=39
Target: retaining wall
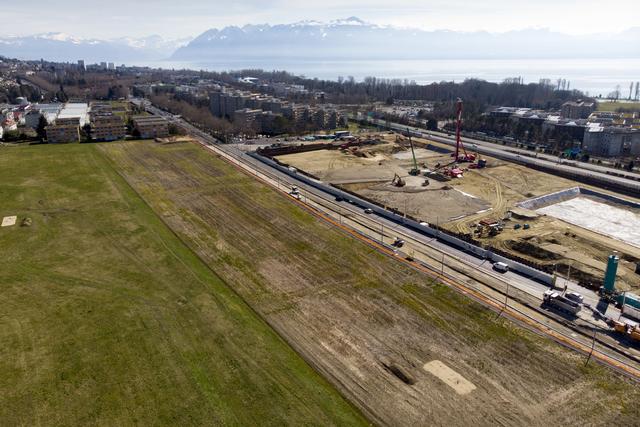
x=561, y=196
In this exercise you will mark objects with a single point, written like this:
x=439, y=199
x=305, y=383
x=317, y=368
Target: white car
x=575, y=297
x=501, y=267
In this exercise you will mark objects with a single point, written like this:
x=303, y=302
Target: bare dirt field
x=459, y=204
x=366, y=322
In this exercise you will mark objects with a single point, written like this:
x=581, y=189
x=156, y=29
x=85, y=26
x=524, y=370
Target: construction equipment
x=631, y=331
x=466, y=157
x=397, y=181
x=553, y=299
x=415, y=171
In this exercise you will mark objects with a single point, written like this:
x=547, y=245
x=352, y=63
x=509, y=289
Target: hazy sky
x=172, y=19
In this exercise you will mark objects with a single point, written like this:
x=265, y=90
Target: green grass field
x=613, y=106
x=108, y=319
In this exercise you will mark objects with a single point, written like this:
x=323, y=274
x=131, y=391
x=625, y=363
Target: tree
x=41, y=128
x=86, y=131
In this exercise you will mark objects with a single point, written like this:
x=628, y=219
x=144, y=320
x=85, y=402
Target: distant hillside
x=353, y=38
x=65, y=48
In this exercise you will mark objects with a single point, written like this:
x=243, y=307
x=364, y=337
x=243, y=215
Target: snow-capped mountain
x=353, y=38
x=65, y=47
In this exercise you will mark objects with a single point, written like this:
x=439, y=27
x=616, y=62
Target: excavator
x=397, y=181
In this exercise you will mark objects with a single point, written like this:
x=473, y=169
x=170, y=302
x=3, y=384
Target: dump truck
x=555, y=300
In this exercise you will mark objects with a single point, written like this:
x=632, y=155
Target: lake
x=595, y=76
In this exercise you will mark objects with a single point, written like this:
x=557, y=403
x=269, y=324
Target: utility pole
x=593, y=346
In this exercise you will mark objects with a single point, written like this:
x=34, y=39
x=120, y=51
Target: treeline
x=11, y=94
x=511, y=92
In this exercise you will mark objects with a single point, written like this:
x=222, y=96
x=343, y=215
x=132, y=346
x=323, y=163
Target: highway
x=594, y=174
x=471, y=275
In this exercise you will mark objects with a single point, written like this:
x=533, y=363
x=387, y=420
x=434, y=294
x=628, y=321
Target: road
x=474, y=277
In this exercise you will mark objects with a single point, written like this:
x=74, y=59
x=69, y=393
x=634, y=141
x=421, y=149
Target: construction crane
x=466, y=157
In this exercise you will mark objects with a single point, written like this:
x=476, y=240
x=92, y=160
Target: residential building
x=107, y=128
x=318, y=118
x=151, y=126
x=81, y=65
x=611, y=141
x=577, y=109
x=248, y=119
x=63, y=130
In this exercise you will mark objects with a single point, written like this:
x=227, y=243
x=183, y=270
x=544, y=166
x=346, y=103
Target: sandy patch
x=8, y=221
x=450, y=377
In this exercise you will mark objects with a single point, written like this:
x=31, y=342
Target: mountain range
x=342, y=39
x=63, y=47
x=353, y=38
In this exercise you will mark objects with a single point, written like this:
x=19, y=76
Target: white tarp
x=8, y=221
x=619, y=223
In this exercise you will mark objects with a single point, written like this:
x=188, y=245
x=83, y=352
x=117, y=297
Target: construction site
x=554, y=223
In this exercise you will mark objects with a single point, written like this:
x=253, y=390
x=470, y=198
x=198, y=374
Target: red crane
x=466, y=157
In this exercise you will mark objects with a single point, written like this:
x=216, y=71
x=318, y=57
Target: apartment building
x=577, y=109
x=248, y=119
x=611, y=141
x=151, y=126
x=107, y=128
x=63, y=130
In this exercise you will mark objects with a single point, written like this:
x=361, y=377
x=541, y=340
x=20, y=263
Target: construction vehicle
x=414, y=171
x=397, y=181
x=631, y=331
x=464, y=157
x=553, y=299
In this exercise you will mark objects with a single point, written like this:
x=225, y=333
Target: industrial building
x=78, y=111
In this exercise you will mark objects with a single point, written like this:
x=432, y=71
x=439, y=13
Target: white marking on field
x=619, y=223
x=8, y=221
x=450, y=377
